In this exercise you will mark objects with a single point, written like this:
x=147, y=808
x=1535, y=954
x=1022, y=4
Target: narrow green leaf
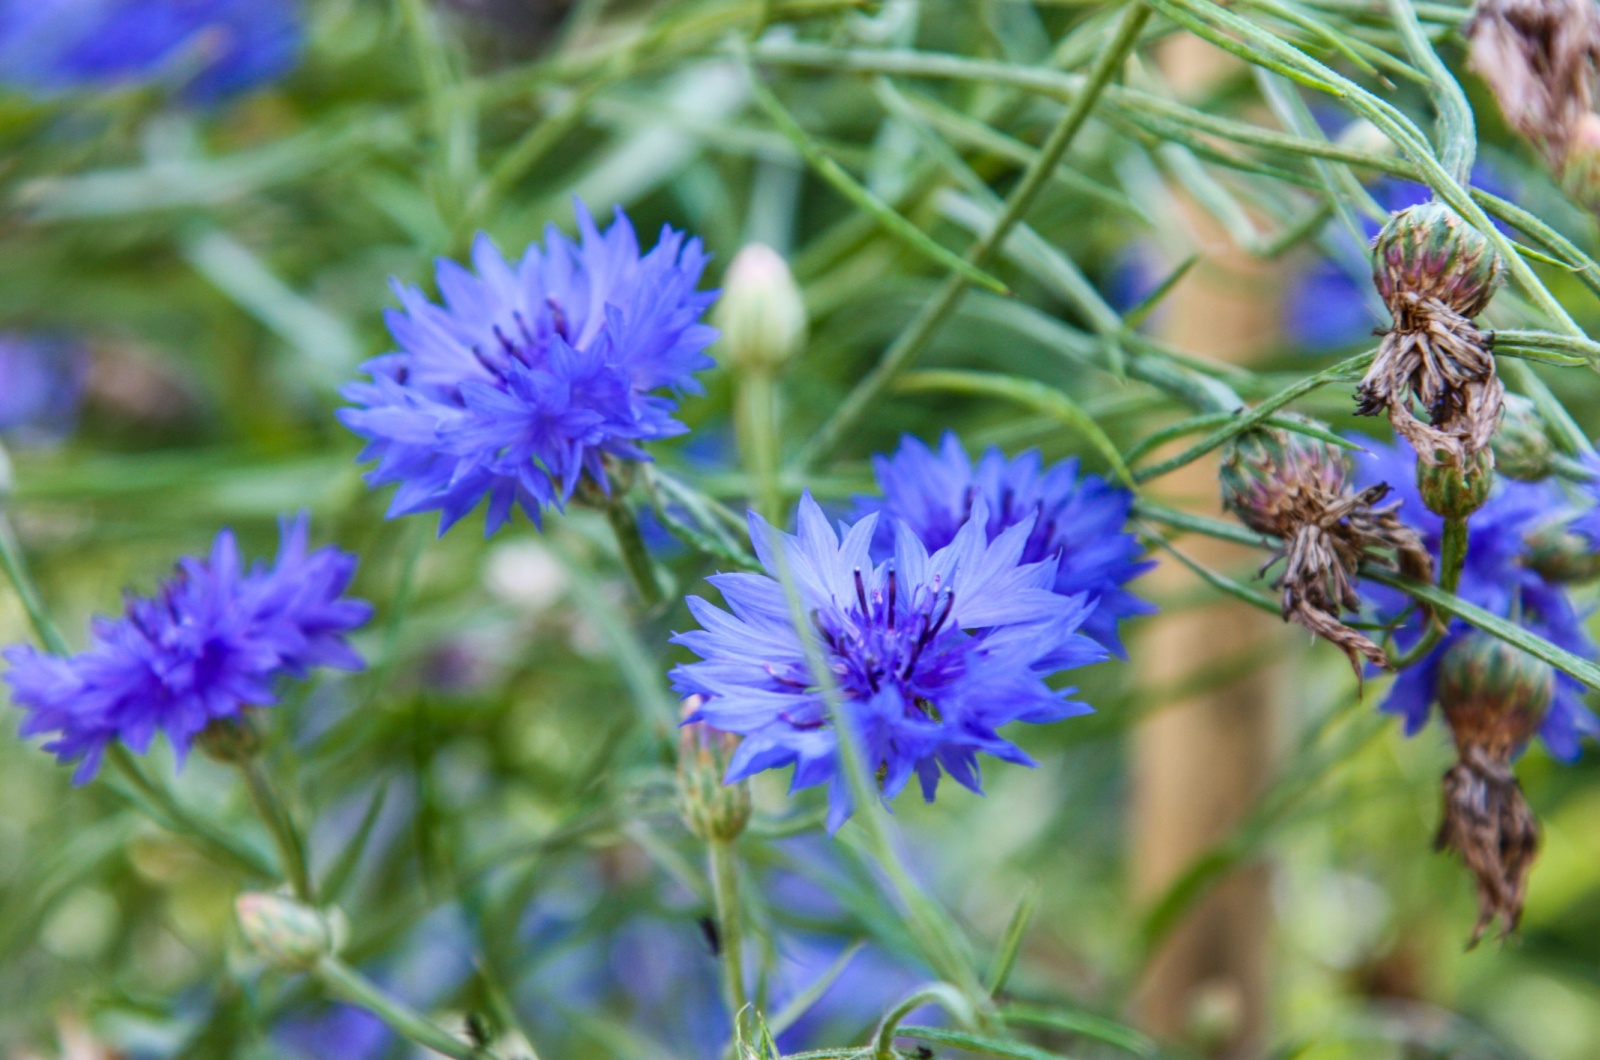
x=1152, y=301
x=1085, y=1024
x=1028, y=392
x=1005, y=956
x=982, y=1044
x=801, y=1003
x=343, y=869
x=846, y=185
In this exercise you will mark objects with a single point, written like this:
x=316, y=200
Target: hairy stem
x=351, y=986
x=730, y=930
x=635, y=553
x=275, y=815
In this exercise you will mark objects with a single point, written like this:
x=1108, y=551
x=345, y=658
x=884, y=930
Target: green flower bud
x=230, y=739
x=761, y=314
x=1560, y=555
x=712, y=809
x=1580, y=167
x=1428, y=251
x=1494, y=695
x=287, y=933
x=1453, y=491
x=1522, y=449
x=1273, y=478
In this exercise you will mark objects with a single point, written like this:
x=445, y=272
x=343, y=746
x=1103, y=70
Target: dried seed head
x=1435, y=272
x=710, y=808
x=1580, y=167
x=1522, y=449
x=1455, y=491
x=1275, y=480
x=1490, y=825
x=1538, y=57
x=1494, y=695
x=1296, y=487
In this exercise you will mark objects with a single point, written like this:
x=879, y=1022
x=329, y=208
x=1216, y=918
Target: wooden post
x=1199, y=764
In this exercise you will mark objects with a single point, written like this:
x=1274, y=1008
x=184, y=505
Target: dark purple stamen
x=861, y=594
x=891, y=597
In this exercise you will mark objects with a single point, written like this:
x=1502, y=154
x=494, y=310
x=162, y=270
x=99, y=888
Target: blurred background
x=196, y=247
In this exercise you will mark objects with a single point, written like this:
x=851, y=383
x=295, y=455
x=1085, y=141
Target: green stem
x=1452, y=557
x=635, y=553
x=937, y=309
x=161, y=806
x=758, y=426
x=349, y=985
x=275, y=815
x=28, y=590
x=730, y=930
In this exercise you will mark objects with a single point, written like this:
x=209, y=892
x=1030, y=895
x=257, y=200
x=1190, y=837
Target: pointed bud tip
x=762, y=313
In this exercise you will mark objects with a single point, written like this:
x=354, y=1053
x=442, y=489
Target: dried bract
x=1539, y=58
x=1297, y=487
x=1435, y=273
x=1495, y=696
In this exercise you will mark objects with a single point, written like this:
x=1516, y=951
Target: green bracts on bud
x=288, y=934
x=761, y=313
x=1428, y=251
x=1522, y=449
x=1494, y=695
x=230, y=739
x=1455, y=492
x=712, y=809
x=1580, y=167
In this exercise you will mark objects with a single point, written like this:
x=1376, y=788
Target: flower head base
x=1080, y=518
x=929, y=654
x=529, y=377
x=1297, y=487
x=214, y=640
x=1455, y=491
x=712, y=810
x=1494, y=697
x=1435, y=273
x=1539, y=57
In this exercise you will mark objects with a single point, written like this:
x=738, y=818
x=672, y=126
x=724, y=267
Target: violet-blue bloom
x=220, y=47
x=528, y=376
x=216, y=638
x=41, y=386
x=931, y=654
x=1080, y=518
x=1495, y=578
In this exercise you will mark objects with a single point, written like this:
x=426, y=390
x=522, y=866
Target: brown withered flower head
x=1296, y=487
x=1539, y=58
x=1494, y=697
x=1435, y=273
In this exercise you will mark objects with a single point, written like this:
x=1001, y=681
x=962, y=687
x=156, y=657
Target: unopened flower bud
x=761, y=314
x=1560, y=555
x=1272, y=477
x=1522, y=449
x=1580, y=166
x=1428, y=251
x=230, y=739
x=1362, y=135
x=712, y=809
x=287, y=933
x=1494, y=694
x=1455, y=491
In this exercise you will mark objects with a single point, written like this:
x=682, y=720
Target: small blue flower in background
x=41, y=387
x=215, y=639
x=1496, y=579
x=1079, y=517
x=931, y=654
x=223, y=47
x=529, y=375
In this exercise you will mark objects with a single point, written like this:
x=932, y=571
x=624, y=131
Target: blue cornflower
x=1494, y=577
x=221, y=47
x=41, y=386
x=527, y=377
x=931, y=654
x=1079, y=517
x=214, y=640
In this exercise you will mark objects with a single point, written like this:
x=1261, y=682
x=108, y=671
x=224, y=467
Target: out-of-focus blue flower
x=41, y=387
x=931, y=654
x=1494, y=578
x=1586, y=524
x=215, y=639
x=529, y=375
x=220, y=47
x=1078, y=517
